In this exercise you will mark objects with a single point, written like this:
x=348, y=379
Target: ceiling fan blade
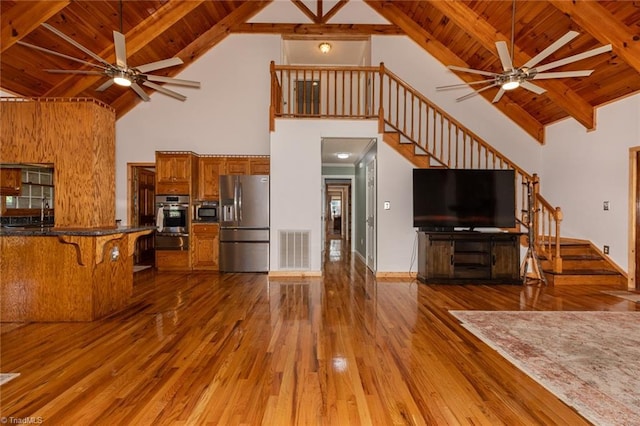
x=503, y=53
x=471, y=70
x=574, y=58
x=456, y=86
x=140, y=92
x=166, y=91
x=170, y=80
x=75, y=43
x=75, y=72
x=104, y=86
x=121, y=49
x=583, y=73
x=472, y=94
x=62, y=55
x=532, y=87
x=498, y=95
x=551, y=48
x=165, y=63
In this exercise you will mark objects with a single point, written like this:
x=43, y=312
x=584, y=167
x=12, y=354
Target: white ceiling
x=355, y=147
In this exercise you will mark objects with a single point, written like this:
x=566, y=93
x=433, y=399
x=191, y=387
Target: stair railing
x=377, y=93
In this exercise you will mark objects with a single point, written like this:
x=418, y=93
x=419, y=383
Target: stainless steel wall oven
x=172, y=221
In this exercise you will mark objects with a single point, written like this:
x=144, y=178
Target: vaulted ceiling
x=461, y=33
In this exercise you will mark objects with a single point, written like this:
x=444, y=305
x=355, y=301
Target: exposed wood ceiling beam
x=487, y=35
x=423, y=38
x=318, y=29
x=203, y=43
x=602, y=25
x=24, y=17
x=137, y=38
x=319, y=17
x=308, y=13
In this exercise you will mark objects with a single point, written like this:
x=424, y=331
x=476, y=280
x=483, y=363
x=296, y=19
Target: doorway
x=338, y=209
x=634, y=218
x=141, y=207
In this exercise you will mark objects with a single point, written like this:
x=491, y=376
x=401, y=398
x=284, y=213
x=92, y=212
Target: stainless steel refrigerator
x=244, y=223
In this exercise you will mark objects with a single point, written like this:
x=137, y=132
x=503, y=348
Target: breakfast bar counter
x=64, y=274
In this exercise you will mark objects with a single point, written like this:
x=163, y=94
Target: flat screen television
x=444, y=199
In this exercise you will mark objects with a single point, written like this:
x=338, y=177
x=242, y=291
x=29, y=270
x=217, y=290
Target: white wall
x=296, y=177
x=584, y=169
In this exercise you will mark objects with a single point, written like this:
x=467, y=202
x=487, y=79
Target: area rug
x=628, y=295
x=590, y=360
x=5, y=377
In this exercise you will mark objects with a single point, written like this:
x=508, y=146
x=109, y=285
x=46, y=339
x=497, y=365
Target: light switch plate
x=387, y=205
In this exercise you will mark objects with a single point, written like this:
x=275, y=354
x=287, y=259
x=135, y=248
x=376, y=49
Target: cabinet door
x=505, y=259
x=205, y=247
x=209, y=178
x=173, y=173
x=259, y=166
x=237, y=166
x=439, y=258
x=164, y=168
x=10, y=181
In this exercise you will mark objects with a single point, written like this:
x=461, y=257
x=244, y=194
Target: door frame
x=352, y=227
x=371, y=238
x=132, y=190
x=634, y=214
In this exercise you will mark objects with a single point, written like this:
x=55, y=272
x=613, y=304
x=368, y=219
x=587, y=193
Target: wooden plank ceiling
x=461, y=33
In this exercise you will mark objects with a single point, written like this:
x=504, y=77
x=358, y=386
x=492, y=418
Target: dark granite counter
x=49, y=231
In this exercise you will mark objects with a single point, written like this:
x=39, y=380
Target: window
x=37, y=188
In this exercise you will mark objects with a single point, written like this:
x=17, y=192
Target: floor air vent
x=294, y=250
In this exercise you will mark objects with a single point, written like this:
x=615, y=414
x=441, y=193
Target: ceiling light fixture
x=343, y=155
x=324, y=47
x=511, y=82
x=122, y=79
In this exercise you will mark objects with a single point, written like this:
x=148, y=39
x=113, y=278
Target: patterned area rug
x=590, y=360
x=5, y=377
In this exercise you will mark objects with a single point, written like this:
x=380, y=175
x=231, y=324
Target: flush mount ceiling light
x=343, y=155
x=511, y=82
x=122, y=79
x=324, y=47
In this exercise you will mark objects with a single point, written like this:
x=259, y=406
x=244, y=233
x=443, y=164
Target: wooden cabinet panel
x=10, y=181
x=259, y=166
x=237, y=166
x=173, y=173
x=209, y=177
x=176, y=260
x=505, y=258
x=205, y=247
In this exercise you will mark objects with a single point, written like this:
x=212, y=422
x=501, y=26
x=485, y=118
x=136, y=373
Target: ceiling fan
x=513, y=77
x=120, y=73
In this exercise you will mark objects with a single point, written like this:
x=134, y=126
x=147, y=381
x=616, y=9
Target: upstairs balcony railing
x=377, y=93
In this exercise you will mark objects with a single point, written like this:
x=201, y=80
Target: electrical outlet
x=605, y=205
x=606, y=250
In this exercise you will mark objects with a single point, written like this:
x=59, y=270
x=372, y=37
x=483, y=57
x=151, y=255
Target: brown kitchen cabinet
x=205, y=246
x=173, y=173
x=209, y=177
x=259, y=166
x=10, y=181
x=237, y=166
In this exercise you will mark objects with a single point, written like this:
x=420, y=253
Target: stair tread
x=576, y=257
x=582, y=272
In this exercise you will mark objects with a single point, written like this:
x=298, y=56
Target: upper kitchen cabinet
x=209, y=177
x=175, y=173
x=10, y=181
x=237, y=166
x=259, y=166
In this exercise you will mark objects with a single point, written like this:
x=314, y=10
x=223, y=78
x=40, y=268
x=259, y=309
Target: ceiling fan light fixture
x=324, y=47
x=122, y=79
x=510, y=83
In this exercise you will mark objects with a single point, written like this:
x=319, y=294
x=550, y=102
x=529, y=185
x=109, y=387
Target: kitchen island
x=65, y=274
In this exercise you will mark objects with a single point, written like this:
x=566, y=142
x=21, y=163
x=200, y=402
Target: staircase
x=428, y=137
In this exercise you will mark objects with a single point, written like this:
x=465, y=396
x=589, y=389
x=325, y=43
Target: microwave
x=206, y=211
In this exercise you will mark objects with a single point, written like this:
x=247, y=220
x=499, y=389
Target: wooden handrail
x=377, y=93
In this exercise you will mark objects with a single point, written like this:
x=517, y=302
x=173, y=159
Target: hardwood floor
x=203, y=348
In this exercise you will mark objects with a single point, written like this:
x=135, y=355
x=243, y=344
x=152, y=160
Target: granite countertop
x=49, y=231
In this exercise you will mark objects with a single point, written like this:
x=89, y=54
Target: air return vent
x=294, y=250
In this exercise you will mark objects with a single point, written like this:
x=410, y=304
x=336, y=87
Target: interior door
x=637, y=222
x=371, y=214
x=145, y=214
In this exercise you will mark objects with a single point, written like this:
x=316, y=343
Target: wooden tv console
x=468, y=257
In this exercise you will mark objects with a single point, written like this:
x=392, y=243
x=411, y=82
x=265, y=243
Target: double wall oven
x=172, y=221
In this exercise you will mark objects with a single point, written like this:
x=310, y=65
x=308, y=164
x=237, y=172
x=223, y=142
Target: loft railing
x=375, y=92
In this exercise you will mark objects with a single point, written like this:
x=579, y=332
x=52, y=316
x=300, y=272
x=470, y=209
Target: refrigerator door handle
x=235, y=201
x=240, y=201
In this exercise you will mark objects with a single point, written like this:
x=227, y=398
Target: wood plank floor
x=243, y=349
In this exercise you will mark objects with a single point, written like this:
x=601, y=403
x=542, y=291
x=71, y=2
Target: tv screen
x=465, y=198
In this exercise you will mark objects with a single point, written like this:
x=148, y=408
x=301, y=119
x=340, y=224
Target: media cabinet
x=468, y=257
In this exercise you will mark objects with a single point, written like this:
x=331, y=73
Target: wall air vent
x=294, y=250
